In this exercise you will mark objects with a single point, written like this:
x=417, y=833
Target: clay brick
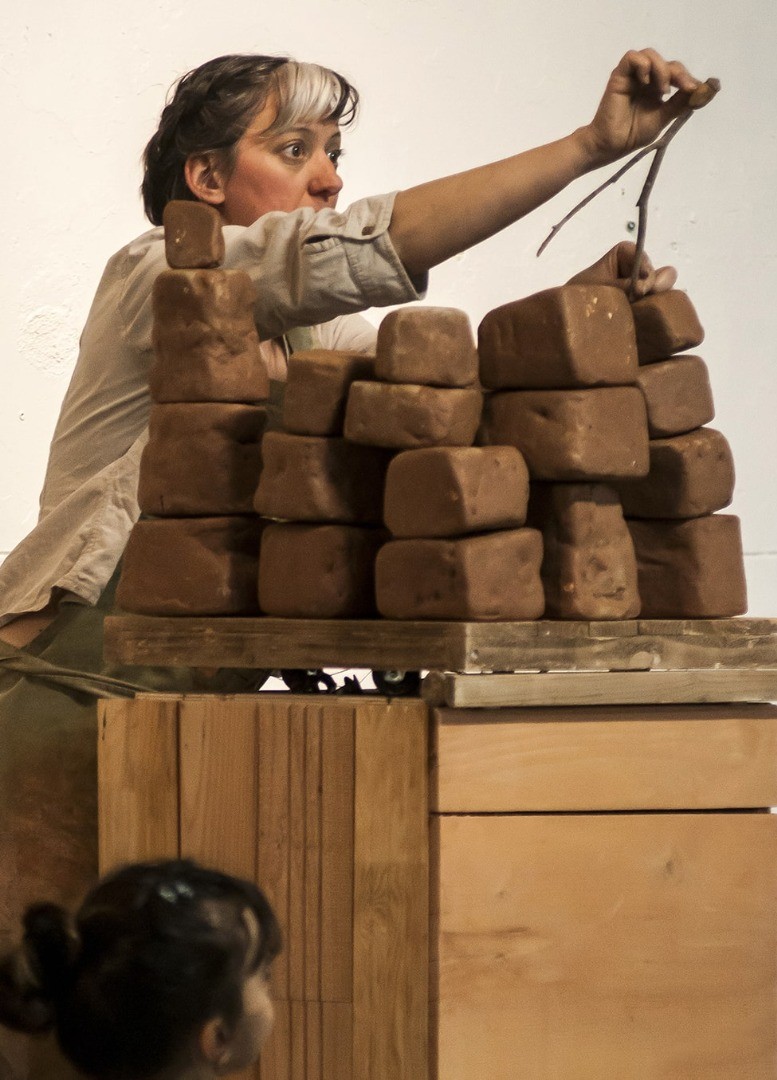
x=405, y=417
x=690, y=476
x=489, y=577
x=690, y=569
x=433, y=346
x=318, y=571
x=318, y=479
x=677, y=395
x=193, y=236
x=593, y=434
x=570, y=336
x=191, y=566
x=665, y=323
x=205, y=342
x=202, y=458
x=450, y=491
x=589, y=570
x=317, y=389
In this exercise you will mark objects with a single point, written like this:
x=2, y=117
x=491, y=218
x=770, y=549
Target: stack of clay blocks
x=561, y=368
x=195, y=549
x=454, y=511
x=625, y=478
x=322, y=495
x=690, y=557
x=345, y=417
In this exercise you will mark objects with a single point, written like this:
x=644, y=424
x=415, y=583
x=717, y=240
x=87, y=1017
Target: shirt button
x=368, y=230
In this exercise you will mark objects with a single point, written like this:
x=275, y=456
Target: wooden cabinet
x=551, y=894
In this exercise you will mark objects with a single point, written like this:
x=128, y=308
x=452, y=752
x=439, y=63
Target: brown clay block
x=570, y=336
x=433, y=346
x=191, y=566
x=489, y=577
x=665, y=323
x=205, y=343
x=589, y=570
x=193, y=236
x=318, y=479
x=318, y=571
x=405, y=417
x=593, y=434
x=677, y=395
x=690, y=569
x=317, y=389
x=690, y=475
x=454, y=490
x=202, y=458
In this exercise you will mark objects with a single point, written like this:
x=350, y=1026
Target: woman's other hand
x=635, y=107
x=616, y=266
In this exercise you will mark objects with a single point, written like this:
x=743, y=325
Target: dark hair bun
x=50, y=946
x=34, y=977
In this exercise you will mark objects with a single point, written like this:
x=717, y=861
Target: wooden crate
x=604, y=899
x=550, y=894
x=324, y=803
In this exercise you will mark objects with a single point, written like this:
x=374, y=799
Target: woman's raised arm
x=436, y=220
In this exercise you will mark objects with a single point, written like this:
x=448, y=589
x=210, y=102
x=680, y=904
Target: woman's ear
x=215, y=1045
x=205, y=178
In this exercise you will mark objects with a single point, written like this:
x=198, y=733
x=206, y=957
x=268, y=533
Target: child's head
x=212, y=106
x=164, y=966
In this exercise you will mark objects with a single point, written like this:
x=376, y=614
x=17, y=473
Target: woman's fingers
x=615, y=267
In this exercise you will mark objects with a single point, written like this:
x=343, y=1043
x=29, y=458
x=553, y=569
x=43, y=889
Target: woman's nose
x=325, y=179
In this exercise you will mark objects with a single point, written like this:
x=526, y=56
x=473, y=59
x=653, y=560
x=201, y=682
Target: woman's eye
x=295, y=150
x=335, y=155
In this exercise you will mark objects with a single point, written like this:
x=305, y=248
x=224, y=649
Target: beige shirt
x=309, y=269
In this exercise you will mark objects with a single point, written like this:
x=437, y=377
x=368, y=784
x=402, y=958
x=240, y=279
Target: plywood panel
x=390, y=966
x=596, y=688
x=219, y=783
x=661, y=757
x=579, y=947
x=274, y=825
x=138, y=780
x=337, y=840
x=337, y=1040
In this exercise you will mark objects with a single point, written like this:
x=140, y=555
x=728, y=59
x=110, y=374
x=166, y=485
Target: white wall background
x=446, y=84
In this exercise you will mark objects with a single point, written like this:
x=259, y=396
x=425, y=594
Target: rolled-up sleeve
x=311, y=266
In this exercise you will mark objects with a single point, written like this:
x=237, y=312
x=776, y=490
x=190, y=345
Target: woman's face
x=256, y=1022
x=283, y=171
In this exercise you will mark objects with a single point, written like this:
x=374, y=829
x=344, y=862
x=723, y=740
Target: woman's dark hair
x=157, y=949
x=212, y=106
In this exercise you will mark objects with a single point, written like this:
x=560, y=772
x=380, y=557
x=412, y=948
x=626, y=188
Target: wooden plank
x=337, y=1040
x=337, y=840
x=219, y=782
x=585, y=947
x=273, y=832
x=609, y=758
x=497, y=647
x=390, y=964
x=137, y=780
x=298, y=1062
x=386, y=644
x=295, y=941
x=313, y=795
x=599, y=688
x=275, y=1060
x=313, y=1041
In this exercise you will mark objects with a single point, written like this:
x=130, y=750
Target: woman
x=163, y=972
x=258, y=138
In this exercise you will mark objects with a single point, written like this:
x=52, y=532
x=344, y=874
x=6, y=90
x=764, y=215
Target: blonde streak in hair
x=307, y=93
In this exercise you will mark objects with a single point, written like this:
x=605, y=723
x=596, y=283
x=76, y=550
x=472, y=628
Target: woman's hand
x=616, y=266
x=634, y=109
